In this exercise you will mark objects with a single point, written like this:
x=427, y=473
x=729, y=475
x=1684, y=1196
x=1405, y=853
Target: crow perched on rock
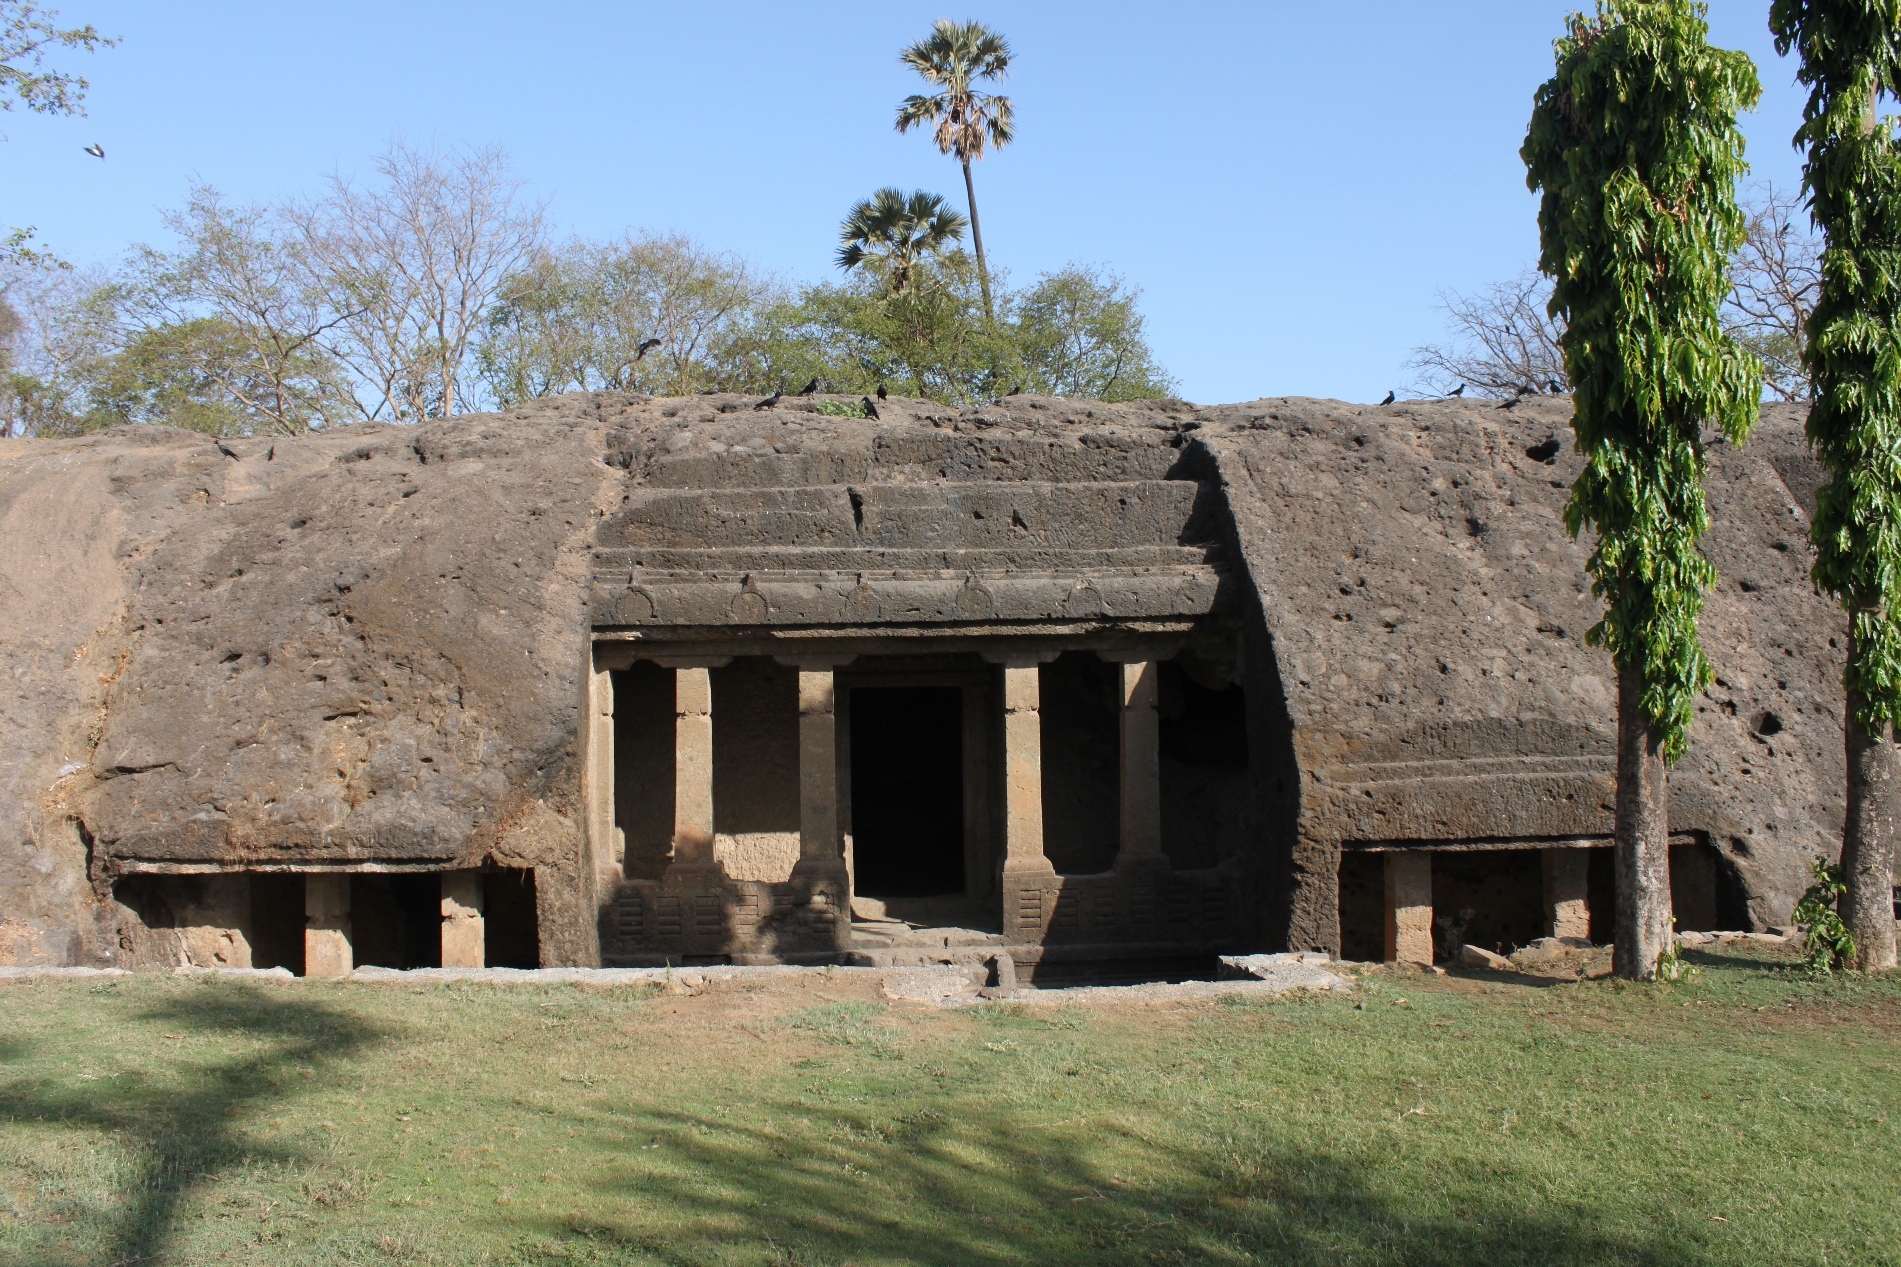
x=272, y=455
x=227, y=452
x=871, y=410
x=1389, y=398
x=769, y=401
x=646, y=346
x=881, y=391
x=1457, y=391
x=1557, y=388
x=809, y=388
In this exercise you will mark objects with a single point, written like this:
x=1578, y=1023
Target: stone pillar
x=462, y=922
x=603, y=839
x=327, y=950
x=1567, y=911
x=692, y=767
x=1409, y=906
x=819, y=853
x=1023, y=772
x=1141, y=767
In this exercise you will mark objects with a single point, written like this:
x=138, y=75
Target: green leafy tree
x=1079, y=333
x=1851, y=53
x=575, y=319
x=180, y=376
x=27, y=32
x=1634, y=147
x=890, y=234
x=954, y=58
x=931, y=341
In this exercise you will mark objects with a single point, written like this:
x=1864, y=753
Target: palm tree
x=893, y=233
x=956, y=56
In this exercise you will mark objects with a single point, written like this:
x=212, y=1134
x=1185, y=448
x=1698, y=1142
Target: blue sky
x=1291, y=185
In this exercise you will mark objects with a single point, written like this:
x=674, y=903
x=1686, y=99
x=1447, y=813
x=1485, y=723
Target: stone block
x=1479, y=957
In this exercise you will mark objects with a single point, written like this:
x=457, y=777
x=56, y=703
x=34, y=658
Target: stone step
x=989, y=515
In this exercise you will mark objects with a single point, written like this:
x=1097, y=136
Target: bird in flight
x=1457, y=391
x=809, y=388
x=881, y=391
x=97, y=151
x=871, y=410
x=646, y=346
x=1389, y=398
x=771, y=400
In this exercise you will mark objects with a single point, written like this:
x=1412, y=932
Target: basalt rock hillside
x=370, y=646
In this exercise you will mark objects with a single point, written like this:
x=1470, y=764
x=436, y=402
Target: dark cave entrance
x=907, y=791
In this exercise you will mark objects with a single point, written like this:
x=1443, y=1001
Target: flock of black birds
x=1552, y=387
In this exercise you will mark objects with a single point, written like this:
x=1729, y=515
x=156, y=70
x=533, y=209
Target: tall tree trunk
x=1874, y=780
x=977, y=240
x=1642, y=837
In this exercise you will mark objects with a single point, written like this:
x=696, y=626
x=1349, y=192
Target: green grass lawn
x=1749, y=1115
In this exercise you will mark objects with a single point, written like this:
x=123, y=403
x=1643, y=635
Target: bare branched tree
x=57, y=328
x=232, y=268
x=1502, y=339
x=1504, y=342
x=1775, y=279
x=416, y=258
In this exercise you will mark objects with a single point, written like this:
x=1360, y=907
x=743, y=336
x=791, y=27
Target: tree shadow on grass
x=182, y=1128
x=997, y=1183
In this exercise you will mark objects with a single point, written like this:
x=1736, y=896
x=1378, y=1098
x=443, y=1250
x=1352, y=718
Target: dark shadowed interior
x=907, y=780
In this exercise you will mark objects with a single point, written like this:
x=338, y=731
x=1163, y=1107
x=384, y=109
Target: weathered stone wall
x=1427, y=613
x=371, y=646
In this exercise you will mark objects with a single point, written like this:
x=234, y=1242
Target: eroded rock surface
x=371, y=645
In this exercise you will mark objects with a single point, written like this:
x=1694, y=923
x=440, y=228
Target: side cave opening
x=511, y=933
x=1362, y=905
x=396, y=920
x=907, y=791
x=1490, y=898
x=277, y=920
